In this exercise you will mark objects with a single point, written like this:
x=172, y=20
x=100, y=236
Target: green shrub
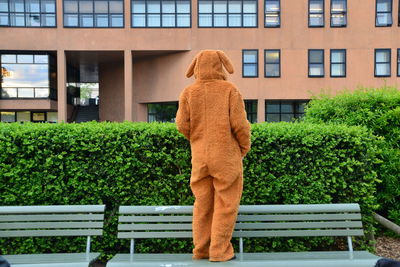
x=378, y=110
x=149, y=164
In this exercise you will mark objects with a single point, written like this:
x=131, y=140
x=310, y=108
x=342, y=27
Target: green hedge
x=149, y=164
x=378, y=110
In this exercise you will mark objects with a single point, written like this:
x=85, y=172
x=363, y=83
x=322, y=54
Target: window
x=338, y=13
x=316, y=13
x=94, y=13
x=382, y=63
x=272, y=63
x=398, y=62
x=162, y=112
x=7, y=116
x=21, y=116
x=272, y=13
x=28, y=13
x=383, y=13
x=27, y=75
x=165, y=13
x=227, y=13
x=316, y=63
x=338, y=63
x=284, y=110
x=251, y=110
x=250, y=63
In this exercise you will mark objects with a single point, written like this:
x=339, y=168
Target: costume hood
x=207, y=65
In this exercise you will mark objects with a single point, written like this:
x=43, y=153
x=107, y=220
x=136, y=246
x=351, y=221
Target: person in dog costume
x=212, y=117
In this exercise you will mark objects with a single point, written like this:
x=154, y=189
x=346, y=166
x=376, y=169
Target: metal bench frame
x=43, y=221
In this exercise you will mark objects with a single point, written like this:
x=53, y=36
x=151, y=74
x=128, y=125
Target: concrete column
x=61, y=86
x=128, y=86
x=261, y=110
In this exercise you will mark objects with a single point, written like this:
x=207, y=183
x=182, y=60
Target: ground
x=388, y=247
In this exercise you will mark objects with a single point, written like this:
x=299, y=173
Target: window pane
x=272, y=70
x=382, y=56
x=338, y=20
x=316, y=70
x=316, y=6
x=48, y=6
x=26, y=92
x=71, y=20
x=41, y=59
x=3, y=5
x=153, y=6
x=205, y=6
x=316, y=56
x=338, y=5
x=273, y=107
x=4, y=19
x=250, y=57
x=249, y=70
x=249, y=6
x=183, y=20
x=337, y=57
x=271, y=19
x=24, y=116
x=17, y=6
x=17, y=19
x=85, y=6
x=220, y=20
x=287, y=117
x=183, y=6
x=273, y=117
x=7, y=116
x=235, y=20
x=38, y=116
x=41, y=92
x=101, y=6
x=316, y=20
x=117, y=20
x=139, y=20
x=205, y=20
x=220, y=6
x=86, y=20
x=271, y=5
x=52, y=116
x=168, y=20
x=382, y=69
x=8, y=58
x=33, y=20
x=384, y=18
x=32, y=6
x=272, y=56
x=8, y=92
x=48, y=20
x=235, y=6
x=116, y=7
x=153, y=20
x=337, y=70
x=287, y=107
x=101, y=20
x=168, y=6
x=384, y=5
x=70, y=6
x=25, y=58
x=26, y=75
x=249, y=20
x=138, y=6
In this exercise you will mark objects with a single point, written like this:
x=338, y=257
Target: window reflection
x=162, y=112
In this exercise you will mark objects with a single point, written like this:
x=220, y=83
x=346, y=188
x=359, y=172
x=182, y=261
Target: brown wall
x=160, y=78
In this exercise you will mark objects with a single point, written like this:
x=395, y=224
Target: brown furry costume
x=212, y=117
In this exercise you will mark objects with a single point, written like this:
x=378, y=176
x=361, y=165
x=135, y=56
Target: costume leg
x=203, y=191
x=226, y=206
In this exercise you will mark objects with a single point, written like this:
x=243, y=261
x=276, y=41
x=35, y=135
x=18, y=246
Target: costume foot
x=234, y=257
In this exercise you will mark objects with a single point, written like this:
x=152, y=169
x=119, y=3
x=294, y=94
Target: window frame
x=294, y=102
x=376, y=14
x=344, y=13
x=227, y=16
x=342, y=63
x=265, y=62
x=40, y=13
x=323, y=15
x=161, y=13
x=398, y=62
x=94, y=27
x=278, y=12
x=323, y=63
x=257, y=64
x=390, y=62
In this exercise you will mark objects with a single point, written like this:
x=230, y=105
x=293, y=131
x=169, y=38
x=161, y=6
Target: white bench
x=142, y=222
x=35, y=221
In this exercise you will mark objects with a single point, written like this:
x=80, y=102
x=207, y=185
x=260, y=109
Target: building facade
x=137, y=52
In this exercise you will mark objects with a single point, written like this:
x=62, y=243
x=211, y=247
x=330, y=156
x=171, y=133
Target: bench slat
x=43, y=218
x=308, y=208
x=51, y=209
x=28, y=233
x=299, y=225
x=51, y=225
x=155, y=218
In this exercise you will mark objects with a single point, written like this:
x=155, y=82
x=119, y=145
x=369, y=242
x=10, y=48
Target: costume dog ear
x=226, y=61
x=190, y=70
